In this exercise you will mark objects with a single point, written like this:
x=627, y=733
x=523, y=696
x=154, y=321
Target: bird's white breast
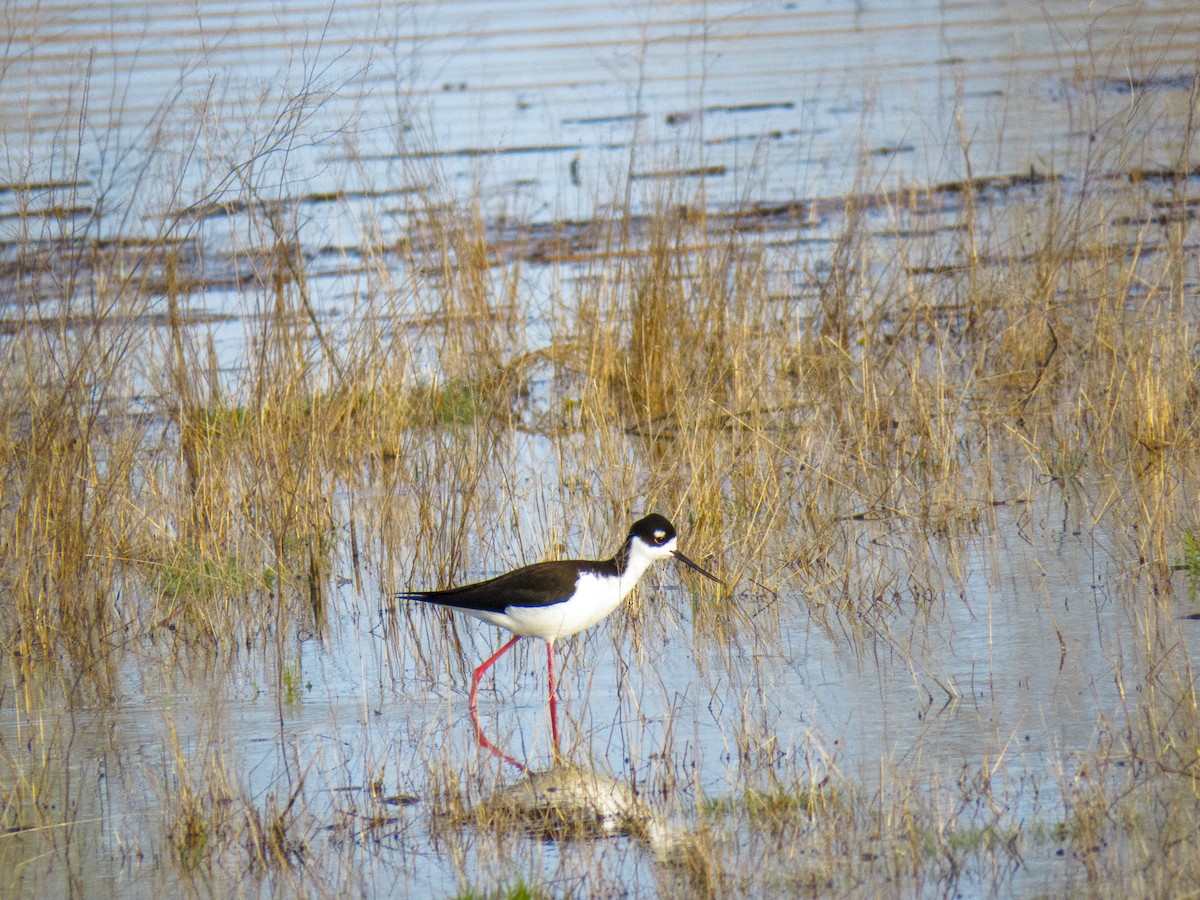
x=595, y=597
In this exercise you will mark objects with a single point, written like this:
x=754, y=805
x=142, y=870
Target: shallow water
x=1012, y=674
x=774, y=101
x=1018, y=653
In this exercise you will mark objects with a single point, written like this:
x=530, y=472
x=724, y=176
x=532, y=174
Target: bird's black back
x=540, y=584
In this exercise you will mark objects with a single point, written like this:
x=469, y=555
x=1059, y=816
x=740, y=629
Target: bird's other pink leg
x=553, y=697
x=479, y=736
x=487, y=664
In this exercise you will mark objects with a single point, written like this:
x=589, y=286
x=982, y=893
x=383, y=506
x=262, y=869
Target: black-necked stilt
x=551, y=600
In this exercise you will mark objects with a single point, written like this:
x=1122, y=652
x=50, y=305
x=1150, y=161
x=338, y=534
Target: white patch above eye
x=659, y=535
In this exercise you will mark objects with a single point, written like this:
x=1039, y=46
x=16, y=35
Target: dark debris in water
x=38, y=187
x=162, y=266
x=1181, y=81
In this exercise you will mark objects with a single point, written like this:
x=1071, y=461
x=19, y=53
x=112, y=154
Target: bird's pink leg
x=487, y=664
x=483, y=741
x=553, y=697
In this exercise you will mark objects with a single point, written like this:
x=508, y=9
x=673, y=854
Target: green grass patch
x=518, y=890
x=1191, y=562
x=453, y=402
x=188, y=574
x=775, y=806
x=221, y=420
x=294, y=684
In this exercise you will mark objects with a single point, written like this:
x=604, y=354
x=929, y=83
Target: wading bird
x=550, y=600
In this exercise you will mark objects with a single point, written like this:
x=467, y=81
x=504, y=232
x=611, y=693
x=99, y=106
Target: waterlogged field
x=889, y=308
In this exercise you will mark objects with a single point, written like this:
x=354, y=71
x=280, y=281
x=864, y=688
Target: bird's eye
x=659, y=537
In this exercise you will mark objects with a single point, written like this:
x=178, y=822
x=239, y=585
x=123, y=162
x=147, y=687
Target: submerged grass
x=830, y=410
x=517, y=890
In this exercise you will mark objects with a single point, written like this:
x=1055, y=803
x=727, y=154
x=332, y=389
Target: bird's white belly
x=594, y=598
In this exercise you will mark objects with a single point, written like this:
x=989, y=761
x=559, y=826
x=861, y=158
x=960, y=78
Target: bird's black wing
x=540, y=584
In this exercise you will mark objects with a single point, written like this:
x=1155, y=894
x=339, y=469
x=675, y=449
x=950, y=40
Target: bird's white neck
x=637, y=560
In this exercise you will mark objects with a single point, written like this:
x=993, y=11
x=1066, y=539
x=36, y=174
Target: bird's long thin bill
x=683, y=559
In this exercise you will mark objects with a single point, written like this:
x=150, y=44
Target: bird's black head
x=654, y=530
x=654, y=537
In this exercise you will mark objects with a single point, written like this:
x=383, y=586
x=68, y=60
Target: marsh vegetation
x=939, y=431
